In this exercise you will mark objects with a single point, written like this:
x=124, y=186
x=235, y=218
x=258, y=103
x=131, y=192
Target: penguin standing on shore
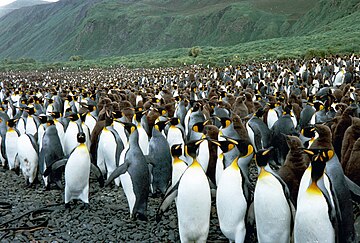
x=160, y=156
x=317, y=215
x=336, y=175
x=10, y=144
x=28, y=157
x=272, y=204
x=134, y=175
x=51, y=151
x=77, y=172
x=232, y=216
x=193, y=202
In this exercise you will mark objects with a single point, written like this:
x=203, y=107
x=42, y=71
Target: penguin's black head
x=322, y=155
x=30, y=110
x=245, y=148
x=50, y=122
x=73, y=116
x=55, y=114
x=199, y=126
x=43, y=118
x=176, y=150
x=162, y=111
x=117, y=114
x=129, y=127
x=160, y=125
x=263, y=157
x=174, y=121
x=138, y=115
x=226, y=145
x=81, y=138
x=192, y=147
x=11, y=122
x=308, y=131
x=260, y=112
x=225, y=121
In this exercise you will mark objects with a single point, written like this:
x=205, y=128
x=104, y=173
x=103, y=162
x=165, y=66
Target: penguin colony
x=188, y=136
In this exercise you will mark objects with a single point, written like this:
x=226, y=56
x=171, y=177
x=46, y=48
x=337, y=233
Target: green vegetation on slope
x=102, y=28
x=342, y=37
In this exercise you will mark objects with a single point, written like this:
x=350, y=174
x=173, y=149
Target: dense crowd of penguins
x=189, y=134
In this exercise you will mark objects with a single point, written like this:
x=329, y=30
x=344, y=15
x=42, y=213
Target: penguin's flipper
x=169, y=197
x=54, y=166
x=95, y=169
x=354, y=188
x=117, y=172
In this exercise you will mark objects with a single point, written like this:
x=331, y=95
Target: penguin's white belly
x=193, y=205
x=204, y=155
x=271, y=211
x=21, y=126
x=70, y=140
x=121, y=131
x=90, y=122
x=11, y=147
x=128, y=188
x=174, y=136
x=178, y=170
x=77, y=171
x=312, y=223
x=107, y=146
x=272, y=117
x=28, y=157
x=219, y=166
x=143, y=141
x=231, y=215
x=31, y=126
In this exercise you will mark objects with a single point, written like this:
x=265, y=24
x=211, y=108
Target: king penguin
x=231, y=215
x=272, y=204
x=11, y=138
x=51, y=151
x=160, y=156
x=317, y=216
x=134, y=175
x=77, y=172
x=109, y=149
x=193, y=202
x=28, y=156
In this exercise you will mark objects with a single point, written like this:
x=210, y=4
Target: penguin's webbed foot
x=140, y=216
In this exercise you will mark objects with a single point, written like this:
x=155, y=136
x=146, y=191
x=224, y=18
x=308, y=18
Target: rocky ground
x=107, y=219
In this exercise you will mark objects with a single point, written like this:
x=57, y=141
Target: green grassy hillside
x=101, y=28
x=19, y=4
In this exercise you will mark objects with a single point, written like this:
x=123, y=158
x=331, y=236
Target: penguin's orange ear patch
x=330, y=153
x=309, y=152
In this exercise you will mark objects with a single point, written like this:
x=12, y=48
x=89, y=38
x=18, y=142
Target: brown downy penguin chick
x=324, y=141
x=294, y=167
x=212, y=132
x=231, y=99
x=249, y=103
x=339, y=131
x=350, y=137
x=239, y=108
x=352, y=169
x=239, y=127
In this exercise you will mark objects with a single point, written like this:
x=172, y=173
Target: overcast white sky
x=5, y=2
